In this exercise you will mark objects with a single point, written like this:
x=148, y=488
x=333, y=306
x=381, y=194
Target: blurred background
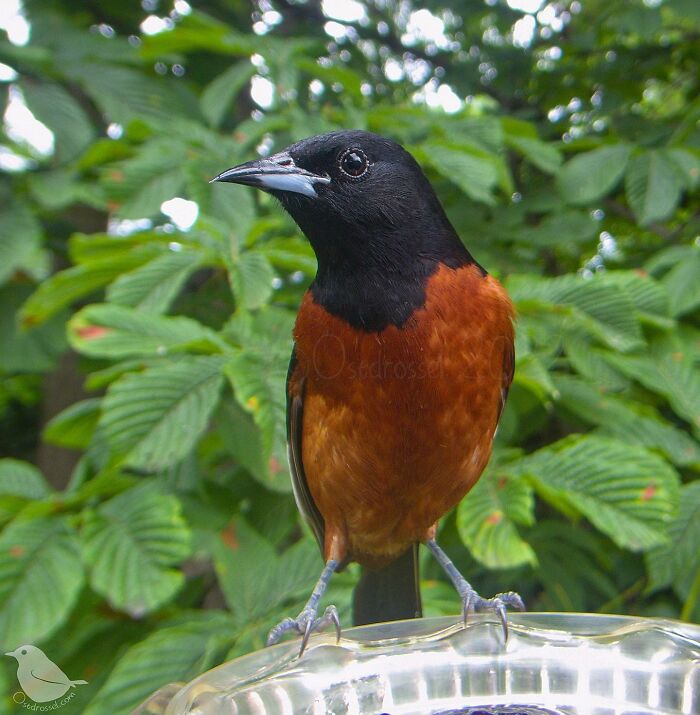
x=147, y=526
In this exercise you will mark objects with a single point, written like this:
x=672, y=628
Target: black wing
x=295, y=420
x=507, y=375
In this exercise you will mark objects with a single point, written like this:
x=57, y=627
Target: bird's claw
x=305, y=624
x=472, y=602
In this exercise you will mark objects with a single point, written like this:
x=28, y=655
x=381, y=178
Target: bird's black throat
x=376, y=277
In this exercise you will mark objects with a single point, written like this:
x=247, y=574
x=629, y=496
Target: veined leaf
x=542, y=155
x=153, y=286
x=20, y=235
x=21, y=479
x=593, y=174
x=251, y=279
x=73, y=427
x=146, y=201
x=151, y=420
x=115, y=331
x=65, y=287
x=653, y=186
x=53, y=106
x=97, y=247
x=590, y=361
x=41, y=575
x=254, y=579
x=474, y=171
x=647, y=294
x=558, y=229
x=131, y=543
x=683, y=285
x=689, y=164
x=124, y=94
x=573, y=567
x=627, y=421
x=26, y=351
x=259, y=386
x=610, y=307
x=672, y=375
x=487, y=518
x=677, y=562
x=171, y=654
x=218, y=94
x=628, y=493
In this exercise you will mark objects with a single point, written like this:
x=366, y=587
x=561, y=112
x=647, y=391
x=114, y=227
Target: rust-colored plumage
x=398, y=425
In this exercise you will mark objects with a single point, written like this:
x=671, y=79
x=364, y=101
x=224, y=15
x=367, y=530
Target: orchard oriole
x=402, y=362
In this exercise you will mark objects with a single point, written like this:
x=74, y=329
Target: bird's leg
x=307, y=622
x=471, y=600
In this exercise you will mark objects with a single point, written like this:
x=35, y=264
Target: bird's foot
x=472, y=602
x=305, y=624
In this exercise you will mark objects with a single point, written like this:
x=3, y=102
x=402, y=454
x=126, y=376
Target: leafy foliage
x=147, y=526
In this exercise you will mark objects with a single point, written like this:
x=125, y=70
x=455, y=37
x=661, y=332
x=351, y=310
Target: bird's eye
x=354, y=162
x=24, y=652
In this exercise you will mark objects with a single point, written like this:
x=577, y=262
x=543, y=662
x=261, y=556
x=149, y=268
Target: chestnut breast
x=398, y=425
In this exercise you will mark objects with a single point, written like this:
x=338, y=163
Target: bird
x=403, y=355
x=40, y=678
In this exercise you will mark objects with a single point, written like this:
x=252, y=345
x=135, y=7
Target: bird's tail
x=73, y=683
x=391, y=593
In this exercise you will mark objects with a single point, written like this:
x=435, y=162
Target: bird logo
x=40, y=678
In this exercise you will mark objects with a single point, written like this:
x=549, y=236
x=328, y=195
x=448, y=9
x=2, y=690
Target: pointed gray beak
x=276, y=173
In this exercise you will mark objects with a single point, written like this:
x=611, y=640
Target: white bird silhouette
x=41, y=679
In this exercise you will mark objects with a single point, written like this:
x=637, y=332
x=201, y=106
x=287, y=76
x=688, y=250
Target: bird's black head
x=365, y=205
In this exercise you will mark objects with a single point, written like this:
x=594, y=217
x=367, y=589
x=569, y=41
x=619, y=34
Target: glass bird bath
x=552, y=664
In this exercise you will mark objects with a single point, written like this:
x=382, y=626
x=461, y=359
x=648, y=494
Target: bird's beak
x=276, y=173
x=11, y=653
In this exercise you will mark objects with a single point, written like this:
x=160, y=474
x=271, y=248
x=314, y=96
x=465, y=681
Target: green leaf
x=542, y=155
x=151, y=420
x=258, y=383
x=532, y=374
x=670, y=374
x=114, y=331
x=689, y=164
x=146, y=201
x=220, y=92
x=124, y=94
x=131, y=543
x=172, y=654
x=606, y=311
x=65, y=287
x=628, y=493
x=20, y=236
x=241, y=437
x=573, y=567
x=472, y=170
x=21, y=479
x=653, y=186
x=487, y=518
x=591, y=361
x=62, y=114
x=254, y=579
x=24, y=351
x=594, y=174
x=558, y=230
x=683, y=285
x=251, y=279
x=627, y=421
x=41, y=575
x=73, y=427
x=153, y=286
x=677, y=562
x=648, y=296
